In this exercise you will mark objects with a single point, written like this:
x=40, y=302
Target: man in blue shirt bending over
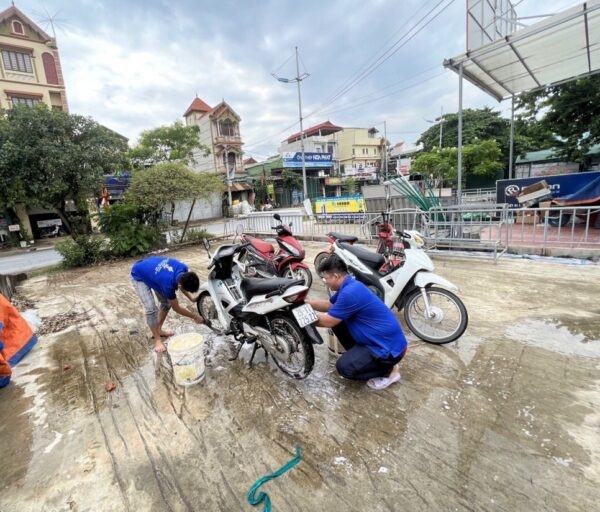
x=363, y=324
x=163, y=276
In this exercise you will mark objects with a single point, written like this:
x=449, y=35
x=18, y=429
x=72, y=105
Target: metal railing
x=493, y=228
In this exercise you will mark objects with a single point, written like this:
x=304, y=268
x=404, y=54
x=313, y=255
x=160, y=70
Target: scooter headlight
x=290, y=248
x=418, y=239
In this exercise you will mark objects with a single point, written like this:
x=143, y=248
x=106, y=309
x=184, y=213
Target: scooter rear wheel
x=449, y=320
x=297, y=356
x=320, y=258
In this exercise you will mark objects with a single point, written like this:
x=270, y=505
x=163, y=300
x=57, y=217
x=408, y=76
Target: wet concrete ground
x=505, y=419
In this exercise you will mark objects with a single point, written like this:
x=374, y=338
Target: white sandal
x=379, y=383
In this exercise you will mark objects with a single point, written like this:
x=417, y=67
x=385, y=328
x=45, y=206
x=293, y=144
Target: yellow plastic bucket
x=187, y=358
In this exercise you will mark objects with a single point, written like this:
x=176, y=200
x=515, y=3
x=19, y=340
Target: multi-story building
x=30, y=71
x=220, y=133
x=360, y=152
x=355, y=153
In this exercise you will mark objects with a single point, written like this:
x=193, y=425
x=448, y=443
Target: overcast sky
x=135, y=65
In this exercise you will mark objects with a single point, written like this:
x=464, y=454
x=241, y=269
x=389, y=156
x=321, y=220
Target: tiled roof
x=197, y=106
x=325, y=128
x=13, y=11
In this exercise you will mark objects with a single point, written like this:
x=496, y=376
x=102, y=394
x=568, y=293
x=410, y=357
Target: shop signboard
x=293, y=160
x=560, y=185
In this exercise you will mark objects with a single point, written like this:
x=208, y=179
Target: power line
x=407, y=37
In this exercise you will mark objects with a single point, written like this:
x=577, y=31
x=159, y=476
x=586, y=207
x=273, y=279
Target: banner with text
x=311, y=160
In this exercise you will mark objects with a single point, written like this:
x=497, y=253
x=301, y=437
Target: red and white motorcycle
x=260, y=258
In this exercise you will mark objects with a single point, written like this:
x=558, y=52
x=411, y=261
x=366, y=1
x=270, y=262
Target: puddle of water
x=568, y=336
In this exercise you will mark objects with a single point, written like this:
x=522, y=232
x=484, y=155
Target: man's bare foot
x=166, y=334
x=159, y=347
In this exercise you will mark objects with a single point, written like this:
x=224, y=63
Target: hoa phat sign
x=294, y=160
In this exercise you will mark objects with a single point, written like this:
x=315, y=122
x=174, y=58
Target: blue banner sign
x=294, y=160
x=560, y=185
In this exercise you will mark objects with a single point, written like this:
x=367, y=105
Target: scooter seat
x=371, y=259
x=261, y=245
x=344, y=238
x=252, y=286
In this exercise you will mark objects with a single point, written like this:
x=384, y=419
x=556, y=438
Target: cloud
x=137, y=65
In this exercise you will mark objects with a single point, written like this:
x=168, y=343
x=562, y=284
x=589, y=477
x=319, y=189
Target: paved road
x=28, y=260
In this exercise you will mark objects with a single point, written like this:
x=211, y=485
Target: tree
x=290, y=180
x=134, y=225
x=48, y=157
x=486, y=124
x=479, y=159
x=571, y=112
x=350, y=186
x=171, y=143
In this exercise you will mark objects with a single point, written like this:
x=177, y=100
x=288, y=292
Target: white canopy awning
x=560, y=48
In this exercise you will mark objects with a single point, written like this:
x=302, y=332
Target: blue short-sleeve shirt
x=160, y=274
x=369, y=320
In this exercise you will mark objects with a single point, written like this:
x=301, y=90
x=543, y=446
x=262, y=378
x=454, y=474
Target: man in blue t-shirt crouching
x=363, y=324
x=163, y=276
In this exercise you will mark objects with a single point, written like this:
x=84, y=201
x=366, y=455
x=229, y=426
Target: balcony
x=228, y=140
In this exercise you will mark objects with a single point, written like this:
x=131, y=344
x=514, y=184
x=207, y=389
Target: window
x=24, y=100
x=227, y=128
x=18, y=27
x=17, y=61
x=50, y=68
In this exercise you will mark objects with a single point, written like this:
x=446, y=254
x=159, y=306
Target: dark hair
x=189, y=281
x=333, y=263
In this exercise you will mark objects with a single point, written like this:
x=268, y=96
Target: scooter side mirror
x=206, y=243
x=276, y=216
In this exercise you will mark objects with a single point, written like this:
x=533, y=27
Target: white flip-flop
x=379, y=383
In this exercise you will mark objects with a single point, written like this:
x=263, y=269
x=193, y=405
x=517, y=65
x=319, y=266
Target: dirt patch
x=61, y=322
x=21, y=302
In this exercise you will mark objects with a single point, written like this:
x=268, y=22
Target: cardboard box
x=534, y=193
x=527, y=219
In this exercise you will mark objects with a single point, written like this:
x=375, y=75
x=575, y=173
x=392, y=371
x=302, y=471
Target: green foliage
x=197, y=235
x=487, y=125
x=171, y=143
x=291, y=180
x=570, y=111
x=167, y=182
x=49, y=156
x=479, y=159
x=350, y=187
x=82, y=251
x=126, y=228
x=261, y=192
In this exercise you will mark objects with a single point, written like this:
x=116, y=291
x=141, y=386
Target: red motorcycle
x=260, y=257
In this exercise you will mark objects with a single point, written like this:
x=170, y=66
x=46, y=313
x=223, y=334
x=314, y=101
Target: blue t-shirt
x=369, y=320
x=160, y=274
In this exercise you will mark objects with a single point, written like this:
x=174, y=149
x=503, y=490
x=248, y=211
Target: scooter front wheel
x=208, y=311
x=299, y=273
x=448, y=319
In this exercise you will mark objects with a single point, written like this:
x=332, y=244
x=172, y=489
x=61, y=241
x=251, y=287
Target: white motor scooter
x=268, y=313
x=434, y=314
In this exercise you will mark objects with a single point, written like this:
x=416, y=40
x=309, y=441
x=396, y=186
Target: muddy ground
x=505, y=419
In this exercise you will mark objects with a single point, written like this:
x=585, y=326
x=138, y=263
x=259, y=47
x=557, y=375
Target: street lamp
x=441, y=121
x=298, y=78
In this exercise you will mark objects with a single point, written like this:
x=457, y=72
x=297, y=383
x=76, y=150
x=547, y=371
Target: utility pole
x=298, y=78
x=385, y=164
x=441, y=124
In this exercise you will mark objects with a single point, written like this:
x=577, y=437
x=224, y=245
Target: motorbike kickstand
x=254, y=349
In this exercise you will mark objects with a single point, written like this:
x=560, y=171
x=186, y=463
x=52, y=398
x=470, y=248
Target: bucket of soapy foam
x=187, y=357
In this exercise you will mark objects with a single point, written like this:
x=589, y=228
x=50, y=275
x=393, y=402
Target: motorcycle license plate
x=305, y=315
